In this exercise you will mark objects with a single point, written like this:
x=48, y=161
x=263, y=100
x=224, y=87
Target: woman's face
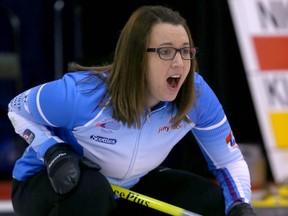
x=165, y=77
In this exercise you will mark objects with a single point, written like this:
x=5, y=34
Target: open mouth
x=173, y=81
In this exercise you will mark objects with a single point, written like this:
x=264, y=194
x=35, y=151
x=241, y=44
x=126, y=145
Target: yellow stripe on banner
x=280, y=128
x=270, y=202
x=278, y=199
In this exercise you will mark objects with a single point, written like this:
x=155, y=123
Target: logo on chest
x=108, y=126
x=169, y=127
x=103, y=139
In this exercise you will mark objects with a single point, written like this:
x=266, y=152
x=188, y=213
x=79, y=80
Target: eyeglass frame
x=193, y=49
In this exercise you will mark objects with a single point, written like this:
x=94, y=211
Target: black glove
x=63, y=167
x=241, y=209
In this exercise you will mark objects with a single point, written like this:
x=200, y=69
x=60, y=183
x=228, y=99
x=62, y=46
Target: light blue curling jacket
x=67, y=110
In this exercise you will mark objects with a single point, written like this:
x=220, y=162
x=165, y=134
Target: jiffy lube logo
x=169, y=127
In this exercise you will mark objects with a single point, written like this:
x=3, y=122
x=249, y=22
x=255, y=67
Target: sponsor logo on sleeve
x=29, y=136
x=231, y=142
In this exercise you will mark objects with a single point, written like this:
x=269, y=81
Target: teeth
x=175, y=76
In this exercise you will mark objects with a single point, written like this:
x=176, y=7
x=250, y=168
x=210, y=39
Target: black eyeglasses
x=169, y=53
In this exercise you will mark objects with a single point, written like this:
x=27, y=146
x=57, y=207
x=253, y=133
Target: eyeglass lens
x=169, y=53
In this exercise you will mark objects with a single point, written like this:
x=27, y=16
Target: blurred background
x=39, y=37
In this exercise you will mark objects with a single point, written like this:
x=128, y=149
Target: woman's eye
x=165, y=51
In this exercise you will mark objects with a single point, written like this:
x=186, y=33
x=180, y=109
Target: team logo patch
x=109, y=126
x=231, y=142
x=28, y=136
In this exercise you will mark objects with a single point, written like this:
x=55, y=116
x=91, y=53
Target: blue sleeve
x=35, y=112
x=49, y=104
x=218, y=144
